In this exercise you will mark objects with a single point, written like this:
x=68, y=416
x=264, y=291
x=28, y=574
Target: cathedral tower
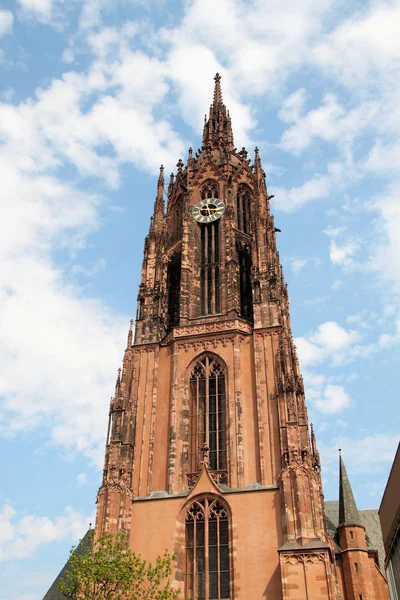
x=209, y=451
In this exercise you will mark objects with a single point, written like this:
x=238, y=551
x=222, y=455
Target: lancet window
x=210, y=258
x=174, y=285
x=246, y=294
x=208, y=416
x=243, y=210
x=176, y=220
x=207, y=574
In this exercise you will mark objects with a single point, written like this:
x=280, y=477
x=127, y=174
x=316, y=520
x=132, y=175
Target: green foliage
x=108, y=570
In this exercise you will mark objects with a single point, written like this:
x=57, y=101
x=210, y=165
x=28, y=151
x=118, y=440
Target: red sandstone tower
x=209, y=452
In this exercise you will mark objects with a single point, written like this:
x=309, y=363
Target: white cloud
x=62, y=340
x=363, y=51
x=343, y=254
x=382, y=158
x=330, y=341
x=330, y=122
x=6, y=21
x=289, y=200
x=333, y=232
x=384, y=258
x=20, y=538
x=367, y=454
x=329, y=400
x=336, y=285
x=81, y=479
x=298, y=264
x=41, y=9
x=68, y=56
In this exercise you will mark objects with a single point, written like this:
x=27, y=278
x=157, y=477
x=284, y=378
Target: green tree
x=109, y=570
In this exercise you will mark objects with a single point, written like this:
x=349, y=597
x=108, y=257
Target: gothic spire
x=217, y=131
x=159, y=203
x=348, y=511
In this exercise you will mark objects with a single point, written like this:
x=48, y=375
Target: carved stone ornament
x=145, y=348
x=313, y=558
x=206, y=328
x=206, y=344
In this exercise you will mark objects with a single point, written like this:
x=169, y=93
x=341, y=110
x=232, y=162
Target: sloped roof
x=348, y=511
x=53, y=592
x=368, y=518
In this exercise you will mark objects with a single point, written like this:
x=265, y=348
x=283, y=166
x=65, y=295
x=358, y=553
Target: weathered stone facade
x=216, y=289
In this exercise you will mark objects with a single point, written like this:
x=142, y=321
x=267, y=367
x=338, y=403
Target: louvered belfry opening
x=208, y=416
x=243, y=204
x=207, y=574
x=246, y=292
x=174, y=286
x=210, y=302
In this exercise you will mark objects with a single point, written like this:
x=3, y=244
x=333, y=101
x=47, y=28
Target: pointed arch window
x=208, y=416
x=207, y=574
x=243, y=208
x=173, y=286
x=210, y=258
x=176, y=219
x=246, y=292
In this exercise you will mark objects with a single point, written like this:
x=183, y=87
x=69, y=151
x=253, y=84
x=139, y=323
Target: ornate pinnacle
x=159, y=203
x=217, y=89
x=160, y=184
x=118, y=383
x=312, y=435
x=130, y=333
x=171, y=183
x=161, y=176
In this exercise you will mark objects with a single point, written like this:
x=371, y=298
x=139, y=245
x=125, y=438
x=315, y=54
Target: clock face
x=208, y=210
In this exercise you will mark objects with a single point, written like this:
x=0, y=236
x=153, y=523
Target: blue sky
x=95, y=95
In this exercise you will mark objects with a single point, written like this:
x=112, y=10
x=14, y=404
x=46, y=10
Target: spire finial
x=217, y=89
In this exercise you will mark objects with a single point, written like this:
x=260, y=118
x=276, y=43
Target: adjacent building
x=389, y=513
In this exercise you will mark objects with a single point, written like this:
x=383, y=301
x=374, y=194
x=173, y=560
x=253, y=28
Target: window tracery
x=210, y=258
x=207, y=573
x=209, y=190
x=208, y=416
